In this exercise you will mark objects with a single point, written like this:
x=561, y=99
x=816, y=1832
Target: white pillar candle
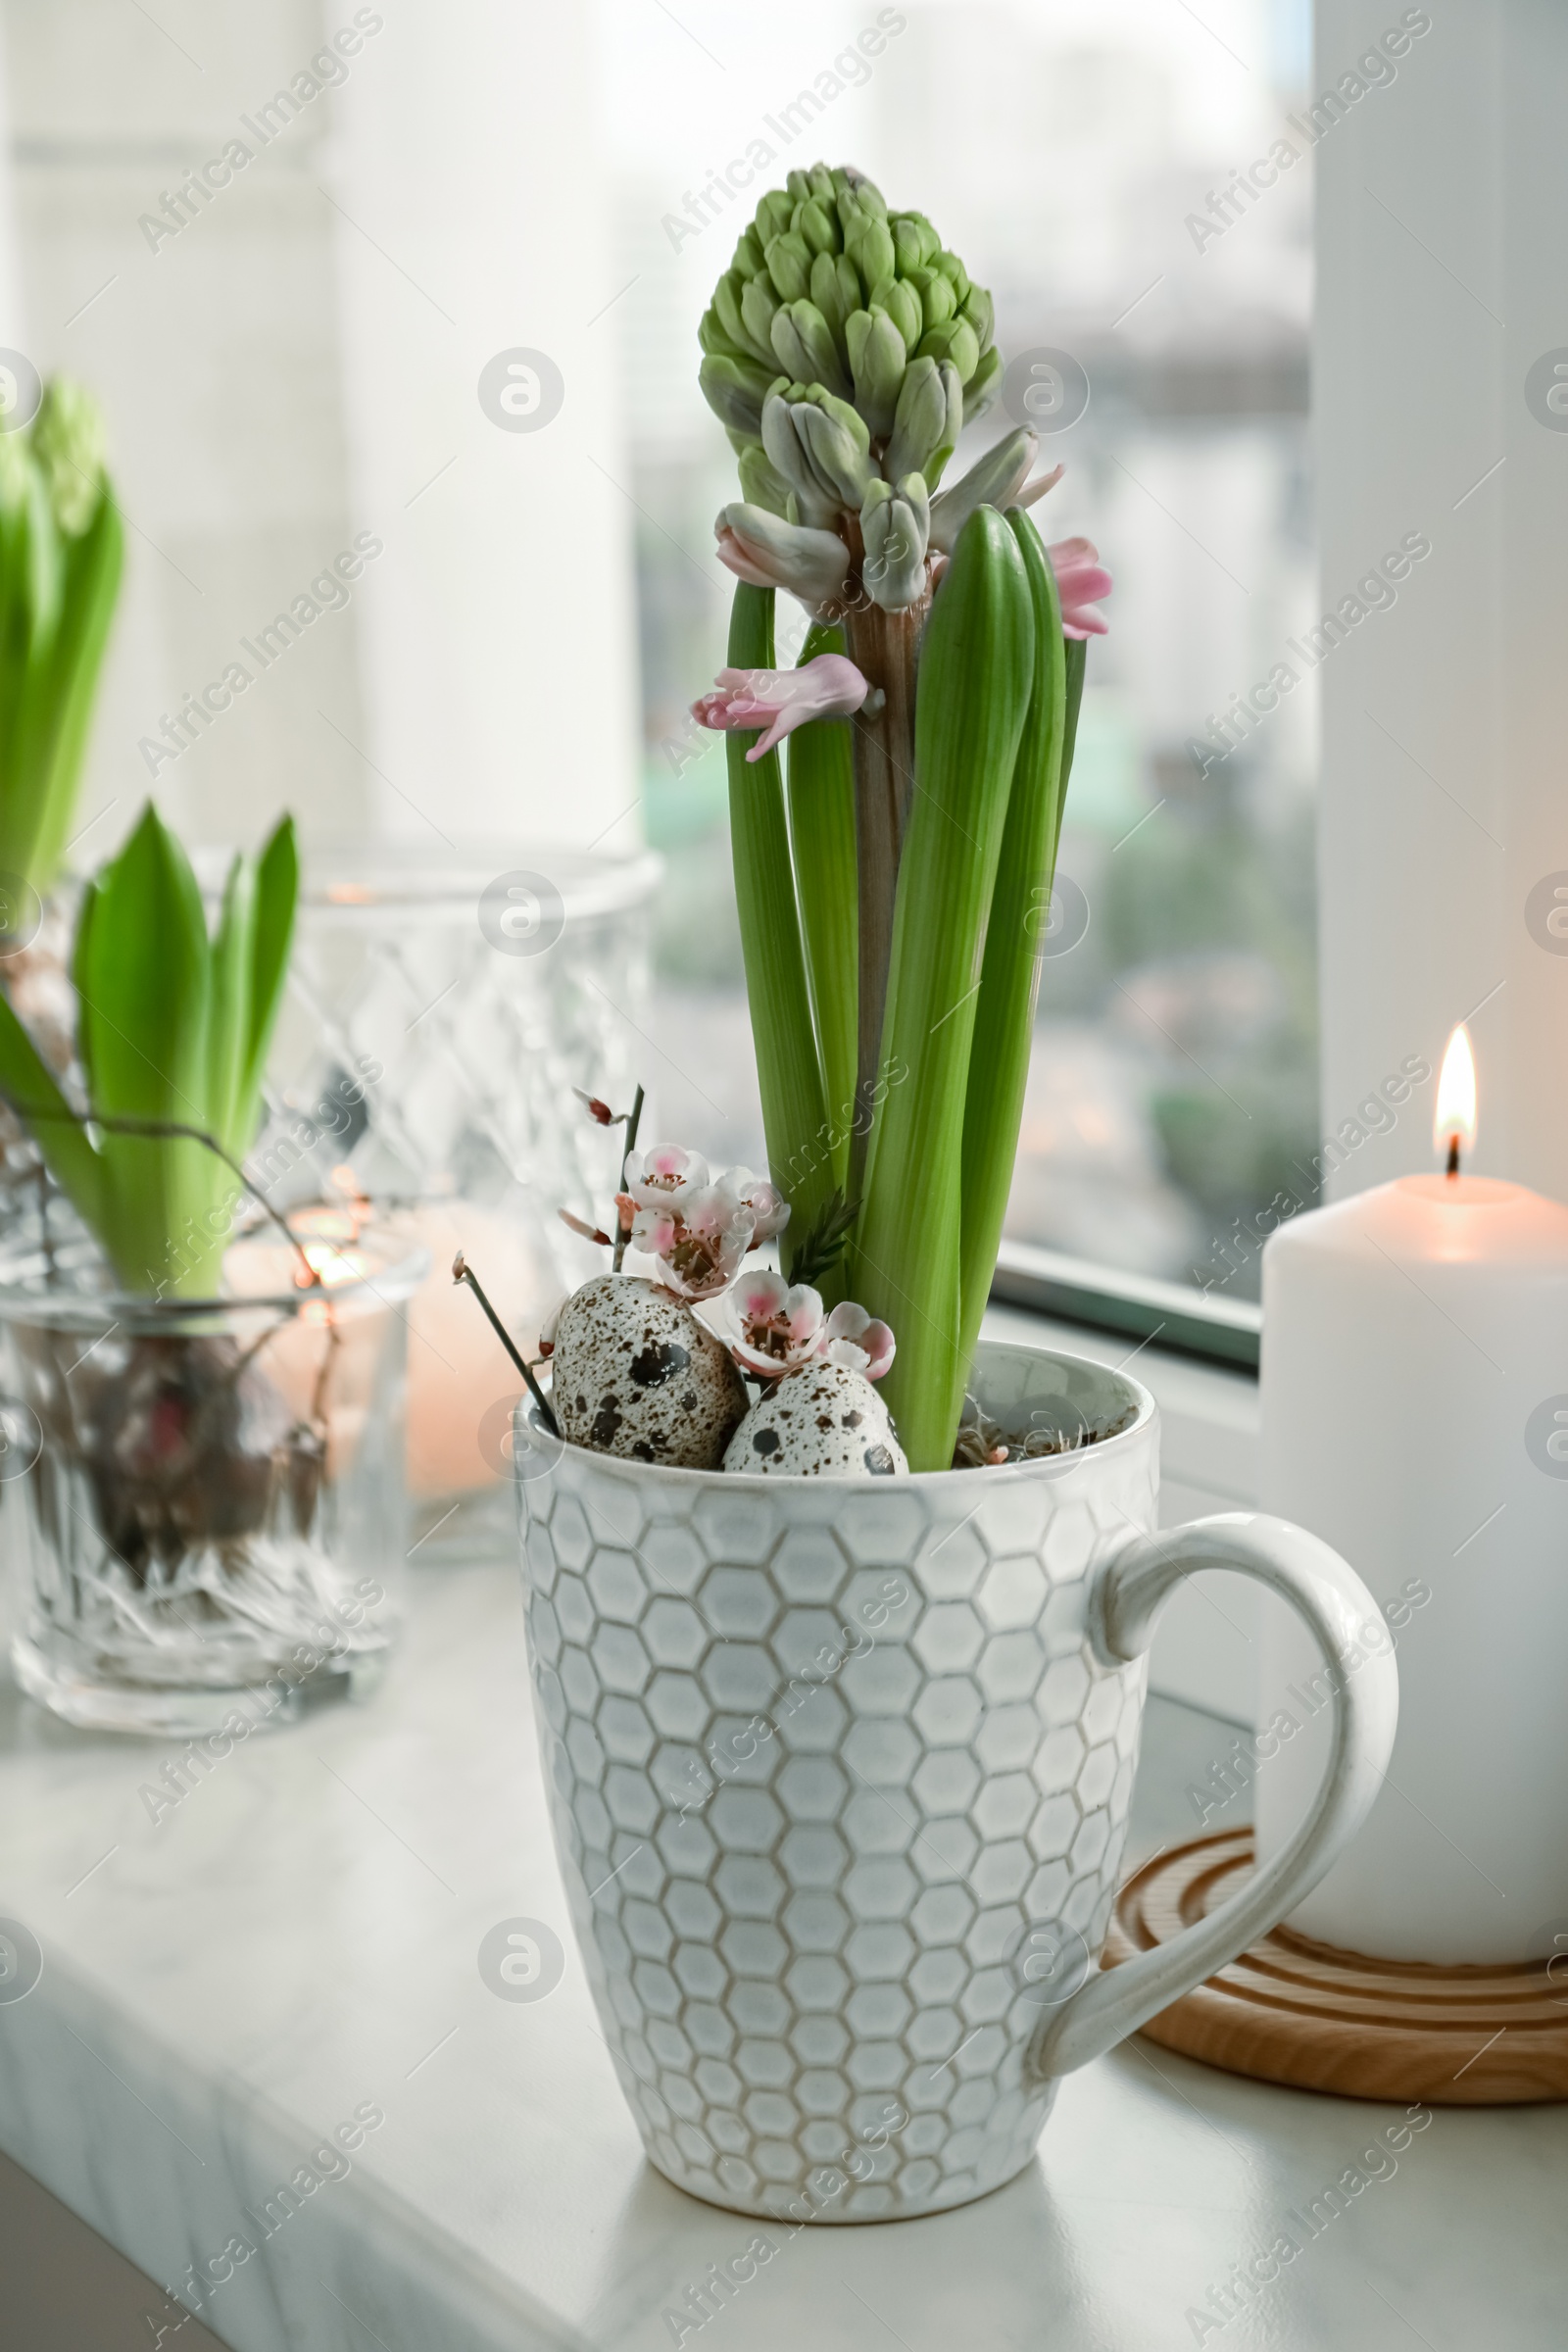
x=1415, y=1415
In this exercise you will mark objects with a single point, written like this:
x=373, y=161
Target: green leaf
x=788, y=1071
x=975, y=676
x=29, y=1087
x=144, y=979
x=1004, y=1013
x=80, y=975
x=63, y=691
x=228, y=1030
x=277, y=883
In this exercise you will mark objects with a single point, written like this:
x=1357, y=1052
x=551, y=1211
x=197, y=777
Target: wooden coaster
x=1297, y=2012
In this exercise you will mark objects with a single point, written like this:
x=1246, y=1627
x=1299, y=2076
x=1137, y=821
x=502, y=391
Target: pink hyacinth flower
x=1080, y=581
x=780, y=1327
x=781, y=700
x=765, y=1201
x=665, y=1173
x=852, y=1338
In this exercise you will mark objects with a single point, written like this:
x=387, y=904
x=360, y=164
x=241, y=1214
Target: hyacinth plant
x=60, y=548
x=172, y=1028
x=894, y=894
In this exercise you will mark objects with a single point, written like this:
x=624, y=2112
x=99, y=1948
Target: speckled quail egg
x=635, y=1373
x=823, y=1421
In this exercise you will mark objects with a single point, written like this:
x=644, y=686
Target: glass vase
x=203, y=1500
x=442, y=1006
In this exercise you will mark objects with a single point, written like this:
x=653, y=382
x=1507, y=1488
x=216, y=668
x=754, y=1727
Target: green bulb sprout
x=894, y=891
x=61, y=552
x=172, y=1028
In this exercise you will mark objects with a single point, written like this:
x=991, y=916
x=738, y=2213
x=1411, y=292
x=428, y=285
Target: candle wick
x=1453, y=1155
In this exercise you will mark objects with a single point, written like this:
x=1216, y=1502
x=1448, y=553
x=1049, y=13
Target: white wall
x=290, y=369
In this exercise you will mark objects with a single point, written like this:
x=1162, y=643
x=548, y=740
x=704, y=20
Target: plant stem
x=789, y=1070
x=632, y=1125
x=822, y=803
x=883, y=648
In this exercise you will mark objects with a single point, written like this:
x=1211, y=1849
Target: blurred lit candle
x=1415, y=1415
x=462, y=1383
x=320, y=1357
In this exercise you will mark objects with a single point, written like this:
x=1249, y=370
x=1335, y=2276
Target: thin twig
x=175, y=1130
x=462, y=1271
x=623, y=1231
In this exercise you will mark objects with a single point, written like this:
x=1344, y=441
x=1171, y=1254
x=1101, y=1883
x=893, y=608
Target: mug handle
x=1126, y=1595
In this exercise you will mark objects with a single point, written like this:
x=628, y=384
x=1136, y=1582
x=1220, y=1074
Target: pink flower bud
x=781, y=700
x=1080, y=581
x=765, y=1201
x=851, y=1339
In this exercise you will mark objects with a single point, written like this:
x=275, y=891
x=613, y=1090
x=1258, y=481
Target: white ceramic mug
x=840, y=1777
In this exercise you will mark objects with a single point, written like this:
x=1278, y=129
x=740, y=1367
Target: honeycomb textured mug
x=840, y=1778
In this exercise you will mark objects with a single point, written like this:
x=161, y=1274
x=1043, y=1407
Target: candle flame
x=333, y=1265
x=1455, y=1118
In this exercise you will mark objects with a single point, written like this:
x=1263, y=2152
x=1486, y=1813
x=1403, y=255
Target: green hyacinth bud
x=816, y=504
x=954, y=271
x=789, y=266
x=760, y=484
x=852, y=220
x=729, y=302
x=938, y=302
x=980, y=310
x=877, y=359
x=893, y=527
x=775, y=214
x=811, y=564
x=905, y=242
x=994, y=480
x=812, y=186
x=68, y=443
x=747, y=258
x=983, y=386
x=819, y=224
x=845, y=410
x=735, y=389
x=955, y=340
x=759, y=303
x=902, y=303
x=712, y=338
x=839, y=456
x=871, y=251
x=920, y=421
x=836, y=292
x=804, y=346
